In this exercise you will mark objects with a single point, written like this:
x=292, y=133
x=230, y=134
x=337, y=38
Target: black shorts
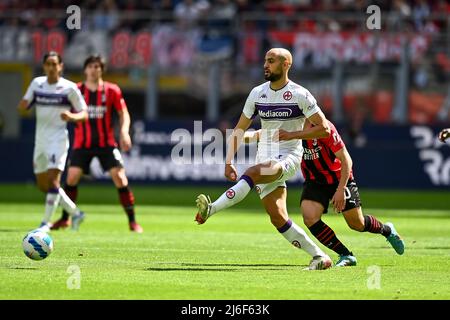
x=323, y=193
x=109, y=158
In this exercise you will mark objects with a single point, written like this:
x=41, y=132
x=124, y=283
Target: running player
x=280, y=103
x=327, y=168
x=57, y=102
x=95, y=138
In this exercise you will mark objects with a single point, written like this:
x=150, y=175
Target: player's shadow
x=189, y=269
x=12, y=230
x=231, y=267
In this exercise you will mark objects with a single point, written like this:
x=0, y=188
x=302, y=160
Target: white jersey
x=50, y=101
x=285, y=109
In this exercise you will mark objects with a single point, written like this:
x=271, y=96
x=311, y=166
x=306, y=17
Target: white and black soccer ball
x=37, y=245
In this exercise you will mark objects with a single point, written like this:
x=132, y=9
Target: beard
x=273, y=77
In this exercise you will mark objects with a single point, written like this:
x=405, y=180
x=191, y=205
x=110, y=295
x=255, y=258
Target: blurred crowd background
x=198, y=59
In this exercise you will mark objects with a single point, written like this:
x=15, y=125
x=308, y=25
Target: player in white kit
x=57, y=101
x=281, y=105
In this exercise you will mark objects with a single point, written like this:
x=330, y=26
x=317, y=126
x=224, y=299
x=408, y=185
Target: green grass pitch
x=237, y=254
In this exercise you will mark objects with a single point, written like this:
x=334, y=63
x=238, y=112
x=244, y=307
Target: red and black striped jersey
x=98, y=131
x=319, y=162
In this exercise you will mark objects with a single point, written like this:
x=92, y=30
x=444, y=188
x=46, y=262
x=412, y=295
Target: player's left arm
x=74, y=116
x=78, y=105
x=124, y=119
x=338, y=199
x=320, y=129
x=251, y=136
x=124, y=123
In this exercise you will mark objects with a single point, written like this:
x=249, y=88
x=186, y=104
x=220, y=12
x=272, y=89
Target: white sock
x=233, y=195
x=67, y=203
x=51, y=203
x=298, y=237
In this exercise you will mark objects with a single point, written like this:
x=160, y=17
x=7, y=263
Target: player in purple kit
x=280, y=103
x=57, y=101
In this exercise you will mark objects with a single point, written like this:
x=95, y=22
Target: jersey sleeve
x=29, y=94
x=249, y=107
x=76, y=100
x=118, y=100
x=334, y=141
x=308, y=104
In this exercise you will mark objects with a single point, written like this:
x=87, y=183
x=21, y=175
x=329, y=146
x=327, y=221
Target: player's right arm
x=235, y=141
x=24, y=104
x=237, y=136
x=23, y=107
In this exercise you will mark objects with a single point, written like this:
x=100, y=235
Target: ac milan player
x=327, y=168
x=95, y=138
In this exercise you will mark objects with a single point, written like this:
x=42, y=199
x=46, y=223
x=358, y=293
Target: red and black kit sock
x=127, y=200
x=328, y=238
x=372, y=225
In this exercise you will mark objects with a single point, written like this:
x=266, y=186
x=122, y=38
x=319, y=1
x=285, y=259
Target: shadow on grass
x=13, y=230
x=219, y=267
x=191, y=269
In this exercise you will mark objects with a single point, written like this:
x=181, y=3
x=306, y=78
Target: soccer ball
x=37, y=245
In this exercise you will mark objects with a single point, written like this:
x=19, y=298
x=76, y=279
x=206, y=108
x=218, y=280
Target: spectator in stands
x=421, y=12
x=219, y=36
x=188, y=12
x=166, y=8
x=106, y=17
x=400, y=11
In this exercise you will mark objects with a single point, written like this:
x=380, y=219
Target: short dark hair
x=52, y=54
x=95, y=58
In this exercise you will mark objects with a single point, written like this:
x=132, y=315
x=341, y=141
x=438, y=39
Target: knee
x=72, y=180
x=120, y=180
x=121, y=184
x=253, y=173
x=309, y=221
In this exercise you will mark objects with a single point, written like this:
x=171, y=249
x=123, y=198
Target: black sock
x=328, y=238
x=373, y=225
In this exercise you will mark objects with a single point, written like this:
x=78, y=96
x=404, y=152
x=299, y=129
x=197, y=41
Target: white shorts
x=290, y=163
x=50, y=156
